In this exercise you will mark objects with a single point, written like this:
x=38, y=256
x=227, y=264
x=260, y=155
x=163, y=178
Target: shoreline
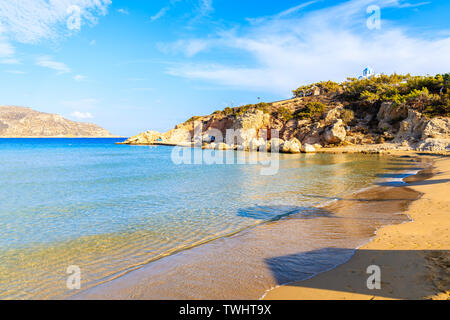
x=383, y=148
x=63, y=137
x=143, y=279
x=413, y=256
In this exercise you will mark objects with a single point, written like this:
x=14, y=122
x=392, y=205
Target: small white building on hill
x=368, y=73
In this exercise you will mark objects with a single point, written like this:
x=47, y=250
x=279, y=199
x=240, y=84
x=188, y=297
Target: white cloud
x=79, y=77
x=201, y=9
x=48, y=62
x=29, y=21
x=205, y=7
x=81, y=115
x=412, y=5
x=295, y=9
x=6, y=49
x=10, y=61
x=159, y=14
x=123, y=11
x=284, y=52
x=92, y=42
x=15, y=71
x=188, y=47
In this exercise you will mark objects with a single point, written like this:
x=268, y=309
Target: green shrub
x=262, y=106
x=437, y=110
x=327, y=86
x=242, y=109
x=284, y=113
x=228, y=111
x=347, y=116
x=311, y=110
x=193, y=119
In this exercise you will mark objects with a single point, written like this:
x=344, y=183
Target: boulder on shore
x=336, y=133
x=437, y=128
x=307, y=148
x=291, y=146
x=434, y=145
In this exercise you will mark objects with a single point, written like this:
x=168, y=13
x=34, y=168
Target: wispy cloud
x=10, y=61
x=81, y=115
x=29, y=21
x=15, y=71
x=160, y=13
x=411, y=5
x=295, y=9
x=6, y=49
x=205, y=7
x=284, y=51
x=79, y=77
x=188, y=47
x=200, y=9
x=48, y=62
x=123, y=11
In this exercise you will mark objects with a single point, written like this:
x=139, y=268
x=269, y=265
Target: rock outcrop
x=147, y=137
x=437, y=128
x=25, y=122
x=412, y=127
x=291, y=146
x=307, y=148
x=336, y=133
x=434, y=145
x=252, y=129
x=389, y=113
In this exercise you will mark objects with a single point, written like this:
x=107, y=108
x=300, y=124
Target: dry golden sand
x=414, y=257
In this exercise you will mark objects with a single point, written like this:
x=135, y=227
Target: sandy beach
x=282, y=251
x=413, y=257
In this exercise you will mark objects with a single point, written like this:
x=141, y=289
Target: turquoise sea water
x=108, y=208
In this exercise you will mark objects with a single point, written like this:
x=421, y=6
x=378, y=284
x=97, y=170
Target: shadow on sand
x=398, y=270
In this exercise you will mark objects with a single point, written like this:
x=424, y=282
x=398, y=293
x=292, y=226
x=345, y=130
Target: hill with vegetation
x=408, y=111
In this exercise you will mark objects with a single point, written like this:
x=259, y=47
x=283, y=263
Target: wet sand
x=414, y=257
x=245, y=265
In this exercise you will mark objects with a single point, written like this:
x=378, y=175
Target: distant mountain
x=26, y=122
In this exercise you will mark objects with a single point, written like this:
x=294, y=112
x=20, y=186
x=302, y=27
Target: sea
x=106, y=210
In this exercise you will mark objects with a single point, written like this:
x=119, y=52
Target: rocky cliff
x=25, y=122
x=329, y=115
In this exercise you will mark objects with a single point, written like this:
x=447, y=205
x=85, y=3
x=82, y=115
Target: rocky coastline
x=322, y=120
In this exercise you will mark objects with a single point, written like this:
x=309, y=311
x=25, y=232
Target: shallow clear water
x=109, y=208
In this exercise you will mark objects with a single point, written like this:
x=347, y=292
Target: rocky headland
x=26, y=122
x=373, y=115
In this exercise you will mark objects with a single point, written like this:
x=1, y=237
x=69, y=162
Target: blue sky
x=135, y=65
